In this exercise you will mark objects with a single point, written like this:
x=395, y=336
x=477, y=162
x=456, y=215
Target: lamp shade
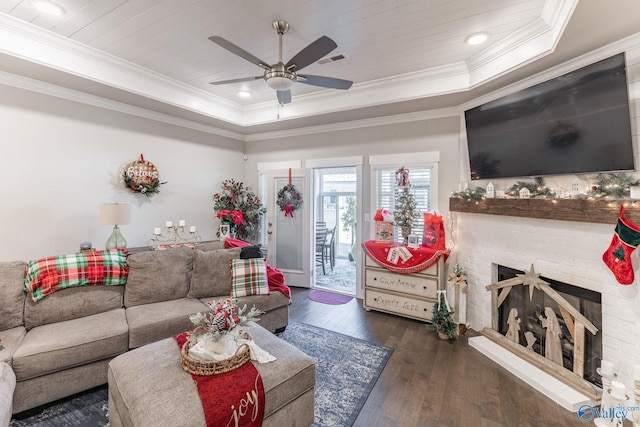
x=115, y=213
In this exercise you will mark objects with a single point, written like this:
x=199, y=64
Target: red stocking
x=618, y=256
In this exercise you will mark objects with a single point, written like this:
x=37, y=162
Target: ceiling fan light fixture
x=477, y=38
x=280, y=80
x=50, y=7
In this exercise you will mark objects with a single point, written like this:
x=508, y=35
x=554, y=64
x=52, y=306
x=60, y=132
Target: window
x=385, y=187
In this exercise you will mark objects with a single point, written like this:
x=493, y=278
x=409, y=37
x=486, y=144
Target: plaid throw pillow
x=47, y=275
x=248, y=277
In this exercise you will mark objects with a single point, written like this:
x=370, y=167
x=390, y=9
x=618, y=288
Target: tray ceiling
x=155, y=54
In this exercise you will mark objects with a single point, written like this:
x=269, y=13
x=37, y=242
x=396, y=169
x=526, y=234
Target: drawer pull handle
x=375, y=278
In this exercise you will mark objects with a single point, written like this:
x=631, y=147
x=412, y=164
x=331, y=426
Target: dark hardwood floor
x=431, y=382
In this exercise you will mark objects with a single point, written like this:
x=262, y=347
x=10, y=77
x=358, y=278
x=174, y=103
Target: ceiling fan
x=281, y=76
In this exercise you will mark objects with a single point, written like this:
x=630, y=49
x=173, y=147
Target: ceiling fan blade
x=311, y=54
x=322, y=81
x=239, y=51
x=284, y=96
x=244, y=79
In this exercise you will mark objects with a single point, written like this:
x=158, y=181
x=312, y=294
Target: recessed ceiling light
x=244, y=94
x=477, y=38
x=49, y=7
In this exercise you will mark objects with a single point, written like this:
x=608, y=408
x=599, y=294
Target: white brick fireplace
x=562, y=250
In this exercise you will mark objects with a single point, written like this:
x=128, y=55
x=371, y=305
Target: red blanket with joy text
x=231, y=399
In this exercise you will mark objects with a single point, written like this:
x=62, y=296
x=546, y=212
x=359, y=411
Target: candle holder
x=606, y=371
x=635, y=417
x=176, y=235
x=618, y=399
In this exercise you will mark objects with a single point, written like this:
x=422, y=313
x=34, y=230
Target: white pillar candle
x=182, y=223
x=606, y=368
x=617, y=390
x=169, y=224
x=157, y=231
x=192, y=229
x=636, y=372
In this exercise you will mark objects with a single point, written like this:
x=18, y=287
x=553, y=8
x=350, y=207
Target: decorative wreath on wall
x=289, y=199
x=141, y=176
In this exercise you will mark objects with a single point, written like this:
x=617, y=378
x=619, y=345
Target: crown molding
x=523, y=46
x=630, y=45
x=41, y=87
x=34, y=44
x=357, y=124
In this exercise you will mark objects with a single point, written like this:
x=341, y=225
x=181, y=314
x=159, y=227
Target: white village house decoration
x=551, y=362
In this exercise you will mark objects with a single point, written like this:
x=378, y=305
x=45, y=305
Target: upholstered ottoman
x=148, y=387
x=7, y=385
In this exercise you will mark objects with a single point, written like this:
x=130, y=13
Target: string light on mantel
x=610, y=187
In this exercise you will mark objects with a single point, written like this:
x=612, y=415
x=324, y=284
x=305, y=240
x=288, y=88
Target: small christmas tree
x=405, y=202
x=442, y=318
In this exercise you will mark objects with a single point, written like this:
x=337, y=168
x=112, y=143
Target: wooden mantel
x=579, y=210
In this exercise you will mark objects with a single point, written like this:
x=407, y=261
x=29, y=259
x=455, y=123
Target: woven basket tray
x=212, y=367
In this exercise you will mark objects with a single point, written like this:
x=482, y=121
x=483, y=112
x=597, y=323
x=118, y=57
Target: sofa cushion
x=58, y=346
x=11, y=293
x=72, y=303
x=153, y=322
x=156, y=276
x=7, y=386
x=212, y=273
x=248, y=277
x=264, y=303
x=211, y=246
x=11, y=339
x=47, y=275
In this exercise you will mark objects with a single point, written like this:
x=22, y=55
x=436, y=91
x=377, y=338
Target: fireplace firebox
x=537, y=312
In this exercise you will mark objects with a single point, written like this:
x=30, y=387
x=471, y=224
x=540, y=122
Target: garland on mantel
x=613, y=186
x=607, y=186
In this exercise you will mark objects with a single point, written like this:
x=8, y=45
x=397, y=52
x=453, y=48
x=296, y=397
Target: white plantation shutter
x=420, y=179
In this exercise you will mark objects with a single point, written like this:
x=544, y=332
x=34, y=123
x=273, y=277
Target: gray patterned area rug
x=347, y=368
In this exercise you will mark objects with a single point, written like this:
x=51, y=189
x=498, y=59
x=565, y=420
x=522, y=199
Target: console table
x=403, y=289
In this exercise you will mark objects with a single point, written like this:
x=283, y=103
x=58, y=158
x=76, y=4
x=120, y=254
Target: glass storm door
x=289, y=237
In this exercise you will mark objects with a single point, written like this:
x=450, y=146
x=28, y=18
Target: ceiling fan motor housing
x=279, y=78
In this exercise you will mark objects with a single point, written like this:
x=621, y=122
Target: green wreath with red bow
x=289, y=199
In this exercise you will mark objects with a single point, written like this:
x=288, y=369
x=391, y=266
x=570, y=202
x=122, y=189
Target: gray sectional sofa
x=62, y=344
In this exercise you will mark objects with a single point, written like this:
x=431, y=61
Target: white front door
x=289, y=237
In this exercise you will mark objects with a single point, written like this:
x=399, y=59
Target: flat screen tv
x=574, y=124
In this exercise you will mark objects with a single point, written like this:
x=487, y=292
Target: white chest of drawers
x=408, y=295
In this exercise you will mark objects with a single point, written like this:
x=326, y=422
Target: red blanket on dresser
x=420, y=258
x=232, y=399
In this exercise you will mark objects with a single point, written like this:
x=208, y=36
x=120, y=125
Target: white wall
x=441, y=134
x=60, y=159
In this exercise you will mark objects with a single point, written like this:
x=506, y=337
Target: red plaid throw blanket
x=47, y=275
x=232, y=399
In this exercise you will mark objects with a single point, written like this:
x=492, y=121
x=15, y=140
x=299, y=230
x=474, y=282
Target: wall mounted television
x=573, y=124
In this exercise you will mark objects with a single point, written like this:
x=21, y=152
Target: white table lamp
x=115, y=214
